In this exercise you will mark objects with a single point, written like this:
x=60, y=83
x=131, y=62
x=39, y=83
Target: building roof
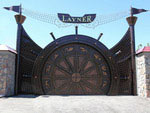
x=145, y=49
x=6, y=48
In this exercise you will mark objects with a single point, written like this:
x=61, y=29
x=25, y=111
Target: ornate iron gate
x=122, y=54
x=75, y=64
x=29, y=50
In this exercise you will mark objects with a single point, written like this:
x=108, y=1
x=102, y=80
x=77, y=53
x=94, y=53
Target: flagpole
x=131, y=12
x=131, y=21
x=20, y=9
x=19, y=19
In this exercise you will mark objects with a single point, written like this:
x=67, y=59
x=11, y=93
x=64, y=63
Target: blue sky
x=39, y=31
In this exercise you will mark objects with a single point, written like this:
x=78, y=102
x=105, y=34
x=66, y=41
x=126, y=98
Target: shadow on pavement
x=21, y=96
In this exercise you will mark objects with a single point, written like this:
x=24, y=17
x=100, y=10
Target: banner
x=66, y=18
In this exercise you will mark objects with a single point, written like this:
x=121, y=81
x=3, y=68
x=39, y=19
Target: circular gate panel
x=75, y=65
x=76, y=69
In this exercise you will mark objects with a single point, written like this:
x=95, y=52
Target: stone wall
x=143, y=74
x=147, y=63
x=7, y=73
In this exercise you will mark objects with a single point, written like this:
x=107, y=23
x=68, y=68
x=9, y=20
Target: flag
x=135, y=11
x=13, y=8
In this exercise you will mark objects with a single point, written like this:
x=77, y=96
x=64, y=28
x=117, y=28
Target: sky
x=39, y=31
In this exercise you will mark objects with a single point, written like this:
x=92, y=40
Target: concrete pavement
x=74, y=104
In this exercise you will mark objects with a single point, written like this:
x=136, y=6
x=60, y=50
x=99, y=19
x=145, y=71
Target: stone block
x=7, y=73
x=143, y=74
x=148, y=93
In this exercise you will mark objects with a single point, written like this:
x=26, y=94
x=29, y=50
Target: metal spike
x=100, y=36
x=52, y=36
x=76, y=30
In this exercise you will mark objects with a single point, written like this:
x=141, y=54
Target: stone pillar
x=7, y=70
x=143, y=73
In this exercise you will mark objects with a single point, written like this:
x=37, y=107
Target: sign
x=66, y=18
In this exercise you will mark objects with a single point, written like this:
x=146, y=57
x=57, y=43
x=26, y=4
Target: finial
x=20, y=19
x=131, y=20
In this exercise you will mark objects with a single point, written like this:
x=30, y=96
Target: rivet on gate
x=35, y=77
x=116, y=77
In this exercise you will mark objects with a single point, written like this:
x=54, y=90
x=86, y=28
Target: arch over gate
x=75, y=65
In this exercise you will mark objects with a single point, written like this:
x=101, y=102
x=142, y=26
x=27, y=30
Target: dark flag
x=13, y=8
x=135, y=11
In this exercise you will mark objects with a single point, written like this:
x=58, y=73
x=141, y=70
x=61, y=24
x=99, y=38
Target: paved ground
x=74, y=104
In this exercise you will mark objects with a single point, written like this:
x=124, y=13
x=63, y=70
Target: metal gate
x=29, y=50
x=75, y=65
x=122, y=55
